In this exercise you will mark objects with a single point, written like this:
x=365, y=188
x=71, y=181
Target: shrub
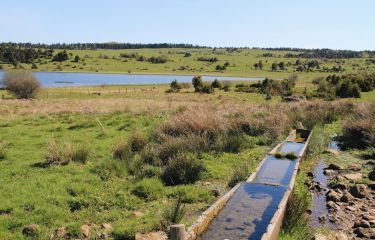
x=197, y=83
x=358, y=131
x=148, y=189
x=207, y=89
x=3, y=150
x=22, y=84
x=121, y=151
x=58, y=153
x=136, y=142
x=230, y=142
x=175, y=86
x=81, y=154
x=239, y=174
x=216, y=84
x=226, y=86
x=150, y=154
x=182, y=169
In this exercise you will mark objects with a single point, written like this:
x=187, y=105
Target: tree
x=76, y=58
x=256, y=65
x=274, y=67
x=197, y=83
x=260, y=64
x=282, y=66
x=61, y=56
x=22, y=84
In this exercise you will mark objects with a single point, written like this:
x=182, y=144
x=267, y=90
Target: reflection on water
x=294, y=147
x=247, y=214
x=276, y=171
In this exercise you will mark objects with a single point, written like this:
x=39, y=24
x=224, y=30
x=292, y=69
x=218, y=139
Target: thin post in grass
x=177, y=232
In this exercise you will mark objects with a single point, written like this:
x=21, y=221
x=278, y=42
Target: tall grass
x=58, y=153
x=295, y=225
x=358, y=130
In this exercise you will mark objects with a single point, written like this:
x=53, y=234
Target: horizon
x=339, y=25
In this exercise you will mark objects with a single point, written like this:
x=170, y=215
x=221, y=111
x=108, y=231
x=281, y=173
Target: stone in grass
x=85, y=230
x=334, y=166
x=353, y=176
x=31, y=230
x=359, y=191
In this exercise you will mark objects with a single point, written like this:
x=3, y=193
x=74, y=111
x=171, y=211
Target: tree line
x=320, y=53
x=91, y=46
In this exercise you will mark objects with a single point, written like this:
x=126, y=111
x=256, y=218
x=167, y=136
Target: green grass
x=241, y=63
x=100, y=191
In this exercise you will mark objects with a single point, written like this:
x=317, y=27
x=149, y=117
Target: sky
x=336, y=24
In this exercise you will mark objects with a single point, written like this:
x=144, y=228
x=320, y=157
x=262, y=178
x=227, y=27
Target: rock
x=371, y=175
x=320, y=237
x=353, y=176
x=59, y=233
x=106, y=226
x=85, y=230
x=368, y=233
x=338, y=186
x=371, y=185
x=372, y=223
x=359, y=191
x=362, y=223
x=137, y=214
x=30, y=230
x=333, y=196
x=332, y=206
x=333, y=166
x=322, y=219
x=347, y=197
x=309, y=211
x=341, y=236
x=355, y=167
x=310, y=174
x=206, y=184
x=328, y=172
x=351, y=208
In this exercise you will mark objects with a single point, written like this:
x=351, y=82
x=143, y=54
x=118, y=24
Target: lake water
x=61, y=79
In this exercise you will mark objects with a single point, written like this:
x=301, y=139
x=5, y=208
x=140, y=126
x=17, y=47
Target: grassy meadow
x=241, y=62
x=225, y=134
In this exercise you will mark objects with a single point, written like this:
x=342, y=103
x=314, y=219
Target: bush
x=150, y=154
x=207, y=89
x=175, y=86
x=136, y=142
x=81, y=154
x=22, y=84
x=239, y=174
x=58, y=153
x=358, y=131
x=197, y=83
x=121, y=151
x=148, y=189
x=3, y=150
x=216, y=84
x=182, y=169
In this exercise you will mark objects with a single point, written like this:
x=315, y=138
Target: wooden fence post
x=177, y=232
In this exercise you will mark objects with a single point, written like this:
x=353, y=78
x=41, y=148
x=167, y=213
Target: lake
x=62, y=79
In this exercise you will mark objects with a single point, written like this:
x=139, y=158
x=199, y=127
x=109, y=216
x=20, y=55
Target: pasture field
x=241, y=62
x=235, y=129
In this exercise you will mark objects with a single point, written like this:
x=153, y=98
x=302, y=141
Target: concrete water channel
x=255, y=209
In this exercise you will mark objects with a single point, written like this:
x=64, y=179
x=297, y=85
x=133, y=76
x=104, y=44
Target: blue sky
x=337, y=24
